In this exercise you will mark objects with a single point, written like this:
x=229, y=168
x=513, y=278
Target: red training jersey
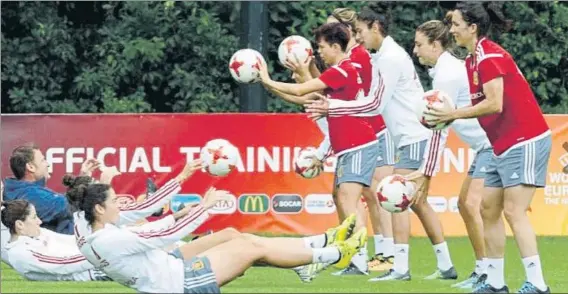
x=361, y=60
x=521, y=118
x=346, y=133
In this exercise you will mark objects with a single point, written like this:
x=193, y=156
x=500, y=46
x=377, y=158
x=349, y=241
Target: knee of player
x=513, y=212
x=231, y=232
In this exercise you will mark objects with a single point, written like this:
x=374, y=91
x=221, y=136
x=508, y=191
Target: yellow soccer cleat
x=341, y=232
x=350, y=247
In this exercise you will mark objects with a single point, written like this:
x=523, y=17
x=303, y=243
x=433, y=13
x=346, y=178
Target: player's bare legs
x=469, y=204
x=517, y=200
x=227, y=264
x=381, y=222
x=494, y=232
x=204, y=243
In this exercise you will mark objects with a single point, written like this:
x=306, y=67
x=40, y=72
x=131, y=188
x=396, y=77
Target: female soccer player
x=352, y=138
x=39, y=254
x=507, y=110
x=395, y=91
x=135, y=259
x=431, y=45
x=380, y=218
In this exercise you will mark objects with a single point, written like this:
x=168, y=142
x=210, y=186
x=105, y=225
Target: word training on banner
x=267, y=195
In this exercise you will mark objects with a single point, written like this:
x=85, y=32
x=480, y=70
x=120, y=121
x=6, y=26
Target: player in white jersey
x=39, y=254
x=395, y=92
x=136, y=260
x=449, y=74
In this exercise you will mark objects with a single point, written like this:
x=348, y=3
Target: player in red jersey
x=507, y=110
x=380, y=219
x=352, y=138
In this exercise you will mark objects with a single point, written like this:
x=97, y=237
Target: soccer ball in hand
x=219, y=157
x=435, y=99
x=295, y=48
x=245, y=66
x=304, y=161
x=394, y=193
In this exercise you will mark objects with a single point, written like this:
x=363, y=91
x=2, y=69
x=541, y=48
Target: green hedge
x=172, y=56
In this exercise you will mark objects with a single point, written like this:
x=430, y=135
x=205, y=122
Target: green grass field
x=269, y=280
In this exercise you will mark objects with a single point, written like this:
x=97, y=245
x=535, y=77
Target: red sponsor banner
x=268, y=195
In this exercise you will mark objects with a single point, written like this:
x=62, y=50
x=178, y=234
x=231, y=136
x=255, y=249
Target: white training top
x=395, y=93
x=50, y=257
x=450, y=75
x=137, y=260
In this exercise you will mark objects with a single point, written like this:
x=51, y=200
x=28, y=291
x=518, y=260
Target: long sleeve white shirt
x=450, y=75
x=50, y=257
x=395, y=93
x=137, y=260
x=130, y=214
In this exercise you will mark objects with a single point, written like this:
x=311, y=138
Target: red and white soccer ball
x=219, y=157
x=435, y=99
x=394, y=193
x=304, y=161
x=295, y=48
x=245, y=66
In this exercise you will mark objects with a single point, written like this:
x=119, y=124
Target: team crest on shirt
x=475, y=78
x=197, y=265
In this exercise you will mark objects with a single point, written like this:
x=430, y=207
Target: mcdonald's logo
x=254, y=203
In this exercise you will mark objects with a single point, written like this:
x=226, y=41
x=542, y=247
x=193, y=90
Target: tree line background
x=166, y=56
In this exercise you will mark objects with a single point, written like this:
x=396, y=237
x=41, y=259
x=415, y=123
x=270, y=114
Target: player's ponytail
x=499, y=22
x=13, y=211
x=85, y=195
x=436, y=30
x=346, y=16
x=488, y=17
x=76, y=189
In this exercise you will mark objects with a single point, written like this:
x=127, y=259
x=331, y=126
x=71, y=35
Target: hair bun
x=69, y=180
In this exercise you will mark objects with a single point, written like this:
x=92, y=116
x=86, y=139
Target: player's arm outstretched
x=297, y=89
x=385, y=78
x=189, y=219
x=136, y=211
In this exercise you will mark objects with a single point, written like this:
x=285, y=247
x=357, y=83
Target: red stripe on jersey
x=162, y=193
x=58, y=260
x=199, y=210
x=433, y=154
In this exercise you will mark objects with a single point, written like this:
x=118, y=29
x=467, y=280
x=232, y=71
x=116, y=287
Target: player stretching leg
x=507, y=110
x=449, y=75
x=136, y=260
x=395, y=92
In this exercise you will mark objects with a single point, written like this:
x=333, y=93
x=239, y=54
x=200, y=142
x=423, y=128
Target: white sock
x=443, y=256
x=480, y=267
x=324, y=255
x=496, y=272
x=533, y=270
x=379, y=245
x=317, y=241
x=401, y=258
x=360, y=259
x=388, y=247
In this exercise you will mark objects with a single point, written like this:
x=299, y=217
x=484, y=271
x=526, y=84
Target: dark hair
x=85, y=195
x=13, y=211
x=488, y=16
x=20, y=157
x=370, y=16
x=334, y=33
x=436, y=30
